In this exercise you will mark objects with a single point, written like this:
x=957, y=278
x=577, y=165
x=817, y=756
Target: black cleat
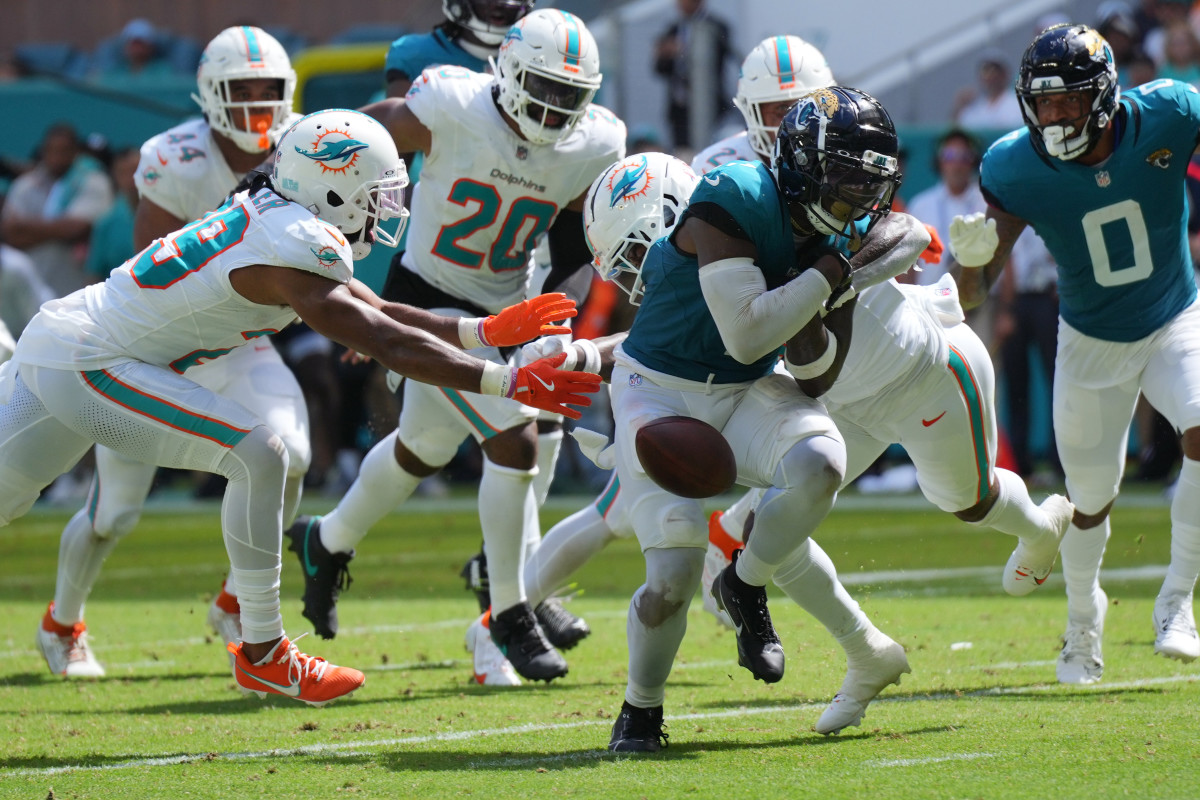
x=638, y=730
x=475, y=573
x=517, y=633
x=758, y=645
x=563, y=629
x=326, y=574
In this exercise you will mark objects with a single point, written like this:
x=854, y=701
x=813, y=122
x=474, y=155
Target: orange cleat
x=289, y=672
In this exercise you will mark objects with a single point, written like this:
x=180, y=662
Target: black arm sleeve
x=570, y=258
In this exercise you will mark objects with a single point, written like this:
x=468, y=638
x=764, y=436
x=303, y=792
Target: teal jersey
x=674, y=332
x=413, y=53
x=1118, y=230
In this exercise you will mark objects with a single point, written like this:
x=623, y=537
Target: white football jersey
x=897, y=337
x=182, y=170
x=731, y=148
x=172, y=304
x=486, y=195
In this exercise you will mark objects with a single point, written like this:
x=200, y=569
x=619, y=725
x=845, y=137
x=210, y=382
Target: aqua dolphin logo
x=630, y=182
x=334, y=155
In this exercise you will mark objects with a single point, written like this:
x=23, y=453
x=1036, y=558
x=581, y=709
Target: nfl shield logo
x=1103, y=179
x=522, y=152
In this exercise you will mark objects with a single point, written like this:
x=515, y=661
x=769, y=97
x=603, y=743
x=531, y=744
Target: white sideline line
x=914, y=762
x=347, y=749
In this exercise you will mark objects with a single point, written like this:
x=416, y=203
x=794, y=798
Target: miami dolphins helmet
x=343, y=166
x=244, y=53
x=779, y=68
x=634, y=202
x=836, y=161
x=488, y=20
x=1068, y=58
x=547, y=70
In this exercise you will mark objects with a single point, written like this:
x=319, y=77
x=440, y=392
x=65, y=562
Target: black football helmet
x=836, y=161
x=1068, y=58
x=489, y=20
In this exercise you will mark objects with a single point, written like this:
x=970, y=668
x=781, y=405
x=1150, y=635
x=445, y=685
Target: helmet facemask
x=249, y=124
x=487, y=20
x=545, y=107
x=237, y=54
x=840, y=188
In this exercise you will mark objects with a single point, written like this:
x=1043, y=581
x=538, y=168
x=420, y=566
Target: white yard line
x=348, y=749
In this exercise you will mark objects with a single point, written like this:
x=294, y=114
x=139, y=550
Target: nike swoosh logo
x=337, y=235
x=309, y=567
x=549, y=386
x=292, y=690
x=161, y=160
x=712, y=181
x=928, y=422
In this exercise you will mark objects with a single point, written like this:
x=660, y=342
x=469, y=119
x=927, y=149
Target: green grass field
x=977, y=720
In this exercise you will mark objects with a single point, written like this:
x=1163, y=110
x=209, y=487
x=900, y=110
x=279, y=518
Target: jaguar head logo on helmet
x=1071, y=62
x=634, y=202
x=547, y=72
x=836, y=161
x=776, y=73
x=235, y=57
x=343, y=166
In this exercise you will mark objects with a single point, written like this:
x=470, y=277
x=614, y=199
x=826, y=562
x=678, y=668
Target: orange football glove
x=528, y=320
x=933, y=253
x=543, y=385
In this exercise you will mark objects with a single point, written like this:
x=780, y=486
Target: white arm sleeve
x=753, y=321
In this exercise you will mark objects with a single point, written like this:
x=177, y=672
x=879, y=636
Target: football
x=686, y=456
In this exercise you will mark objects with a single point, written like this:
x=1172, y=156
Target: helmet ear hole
x=333, y=199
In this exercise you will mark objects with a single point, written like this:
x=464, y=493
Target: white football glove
x=973, y=239
x=596, y=446
x=582, y=354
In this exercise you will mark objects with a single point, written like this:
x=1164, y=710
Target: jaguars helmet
x=836, y=161
x=489, y=20
x=239, y=53
x=1068, y=58
x=634, y=202
x=779, y=68
x=547, y=71
x=343, y=166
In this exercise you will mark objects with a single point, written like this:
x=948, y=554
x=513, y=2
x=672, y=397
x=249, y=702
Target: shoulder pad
x=313, y=245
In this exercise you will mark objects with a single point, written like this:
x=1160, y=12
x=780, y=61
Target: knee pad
x=299, y=453
x=115, y=524
x=672, y=576
x=261, y=454
x=815, y=466
x=433, y=446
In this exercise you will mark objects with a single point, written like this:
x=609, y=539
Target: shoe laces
x=551, y=611
x=1079, y=642
x=643, y=723
x=752, y=606
x=300, y=664
x=341, y=575
x=77, y=647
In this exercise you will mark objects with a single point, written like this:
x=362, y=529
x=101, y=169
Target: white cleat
x=491, y=668
x=68, y=654
x=1032, y=562
x=715, y=561
x=865, y=679
x=1175, y=628
x=1080, y=661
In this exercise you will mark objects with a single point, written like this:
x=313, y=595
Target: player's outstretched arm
x=816, y=354
x=514, y=325
x=980, y=245
x=407, y=131
x=333, y=310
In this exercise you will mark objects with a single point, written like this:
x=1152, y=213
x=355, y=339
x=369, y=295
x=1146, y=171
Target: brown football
x=686, y=456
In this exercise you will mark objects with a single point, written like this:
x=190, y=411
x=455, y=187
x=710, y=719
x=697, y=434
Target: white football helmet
x=548, y=70
x=778, y=68
x=636, y=201
x=244, y=53
x=343, y=166
x=488, y=20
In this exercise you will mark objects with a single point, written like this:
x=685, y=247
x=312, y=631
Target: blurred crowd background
x=84, y=85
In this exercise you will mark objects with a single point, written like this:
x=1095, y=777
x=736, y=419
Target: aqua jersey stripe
x=604, y=502
x=571, y=56
x=472, y=416
x=162, y=411
x=253, y=50
x=972, y=397
x=783, y=58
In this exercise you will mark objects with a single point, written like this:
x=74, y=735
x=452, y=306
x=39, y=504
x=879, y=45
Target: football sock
x=381, y=485
x=564, y=549
x=657, y=621
x=1185, y=534
x=810, y=579
x=81, y=553
x=258, y=598
x=1082, y=553
x=506, y=507
x=1014, y=512
x=806, y=483
x=549, y=446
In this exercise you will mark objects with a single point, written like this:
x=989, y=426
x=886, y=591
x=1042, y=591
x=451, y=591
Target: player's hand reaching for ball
x=543, y=384
x=973, y=239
